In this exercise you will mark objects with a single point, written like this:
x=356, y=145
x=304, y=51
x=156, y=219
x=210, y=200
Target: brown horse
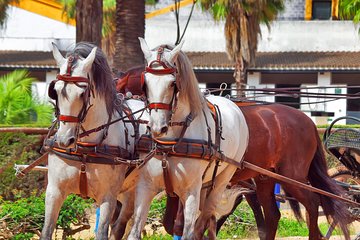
x=285, y=141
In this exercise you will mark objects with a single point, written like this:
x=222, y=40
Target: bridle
x=167, y=69
x=68, y=78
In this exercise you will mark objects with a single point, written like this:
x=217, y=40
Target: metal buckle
x=164, y=161
x=83, y=168
x=189, y=119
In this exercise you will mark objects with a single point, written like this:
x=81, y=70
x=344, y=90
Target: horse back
x=278, y=134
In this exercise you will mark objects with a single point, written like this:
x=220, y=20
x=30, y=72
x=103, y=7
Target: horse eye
x=172, y=84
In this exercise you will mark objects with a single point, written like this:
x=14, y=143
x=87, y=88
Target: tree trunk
x=240, y=75
x=89, y=21
x=130, y=24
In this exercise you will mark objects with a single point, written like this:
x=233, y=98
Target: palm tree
x=89, y=21
x=349, y=10
x=17, y=104
x=89, y=18
x=130, y=24
x=123, y=23
x=242, y=28
x=4, y=4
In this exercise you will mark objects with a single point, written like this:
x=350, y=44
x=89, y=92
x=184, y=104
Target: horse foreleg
x=207, y=216
x=143, y=199
x=107, y=208
x=53, y=200
x=191, y=208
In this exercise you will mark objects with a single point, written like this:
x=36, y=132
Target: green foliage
x=157, y=208
x=17, y=106
x=25, y=216
x=19, y=148
x=268, y=10
x=290, y=227
x=349, y=10
x=240, y=224
x=73, y=211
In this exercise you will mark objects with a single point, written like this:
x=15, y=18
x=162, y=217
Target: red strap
x=68, y=78
x=67, y=118
x=160, y=106
x=160, y=71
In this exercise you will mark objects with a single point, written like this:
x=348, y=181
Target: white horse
x=85, y=99
x=175, y=101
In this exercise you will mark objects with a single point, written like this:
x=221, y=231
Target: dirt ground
x=89, y=234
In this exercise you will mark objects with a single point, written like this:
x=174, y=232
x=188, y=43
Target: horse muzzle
x=66, y=140
x=158, y=130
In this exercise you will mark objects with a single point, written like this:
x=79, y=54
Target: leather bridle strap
x=68, y=78
x=163, y=106
x=164, y=71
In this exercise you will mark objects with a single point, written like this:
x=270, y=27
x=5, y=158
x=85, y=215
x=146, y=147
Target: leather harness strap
x=38, y=161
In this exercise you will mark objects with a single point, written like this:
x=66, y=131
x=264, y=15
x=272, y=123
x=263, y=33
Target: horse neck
x=183, y=109
x=98, y=116
x=181, y=113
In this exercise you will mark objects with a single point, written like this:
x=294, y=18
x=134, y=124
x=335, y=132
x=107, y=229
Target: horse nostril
x=71, y=140
x=164, y=129
x=148, y=128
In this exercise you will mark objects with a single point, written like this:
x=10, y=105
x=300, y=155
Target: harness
x=84, y=152
x=181, y=147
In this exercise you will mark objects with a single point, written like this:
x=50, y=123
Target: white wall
x=29, y=31
x=26, y=31
x=254, y=83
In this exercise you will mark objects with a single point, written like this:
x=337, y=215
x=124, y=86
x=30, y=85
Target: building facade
x=306, y=47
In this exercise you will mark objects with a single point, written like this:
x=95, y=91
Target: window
x=321, y=10
x=288, y=99
x=353, y=104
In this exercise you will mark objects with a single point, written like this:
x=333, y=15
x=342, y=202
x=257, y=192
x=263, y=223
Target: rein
x=99, y=128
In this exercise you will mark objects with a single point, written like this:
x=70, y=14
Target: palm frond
x=17, y=104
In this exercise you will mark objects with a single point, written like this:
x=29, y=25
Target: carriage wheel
x=342, y=174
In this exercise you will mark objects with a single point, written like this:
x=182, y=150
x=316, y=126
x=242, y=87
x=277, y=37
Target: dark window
x=353, y=104
x=288, y=99
x=321, y=10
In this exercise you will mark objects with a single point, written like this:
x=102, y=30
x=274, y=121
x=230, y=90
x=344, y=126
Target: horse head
x=72, y=91
x=161, y=86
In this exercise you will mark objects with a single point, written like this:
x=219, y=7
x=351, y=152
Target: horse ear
x=89, y=60
x=60, y=60
x=144, y=47
x=175, y=52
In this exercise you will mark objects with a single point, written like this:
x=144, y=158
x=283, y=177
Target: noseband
x=167, y=69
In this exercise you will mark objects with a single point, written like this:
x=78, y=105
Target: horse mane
x=102, y=75
x=188, y=83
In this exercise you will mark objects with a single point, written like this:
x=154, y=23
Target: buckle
x=83, y=168
x=189, y=119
